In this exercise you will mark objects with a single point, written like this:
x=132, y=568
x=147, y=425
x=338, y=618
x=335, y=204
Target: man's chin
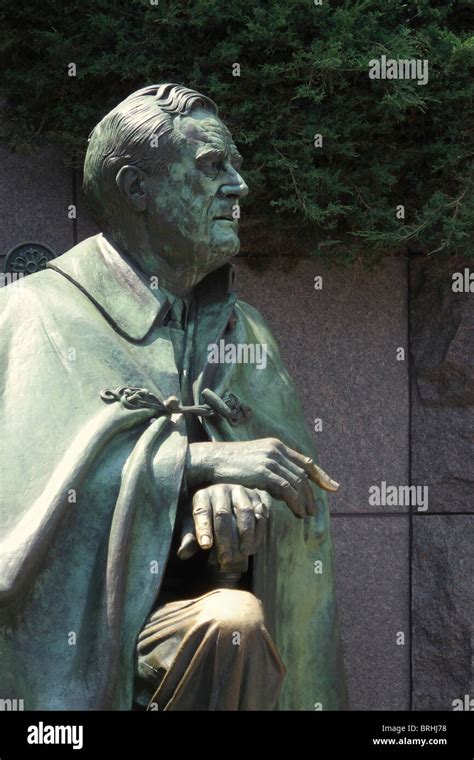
x=209, y=258
x=224, y=249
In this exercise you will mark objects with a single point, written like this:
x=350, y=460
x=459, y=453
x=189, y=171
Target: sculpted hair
x=138, y=131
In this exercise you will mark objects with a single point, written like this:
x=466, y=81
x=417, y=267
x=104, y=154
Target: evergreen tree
x=304, y=71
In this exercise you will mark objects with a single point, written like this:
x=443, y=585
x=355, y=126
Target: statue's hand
x=265, y=463
x=231, y=517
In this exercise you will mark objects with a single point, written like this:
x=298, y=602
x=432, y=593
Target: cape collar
x=120, y=290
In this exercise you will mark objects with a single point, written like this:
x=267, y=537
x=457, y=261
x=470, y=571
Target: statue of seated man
x=165, y=536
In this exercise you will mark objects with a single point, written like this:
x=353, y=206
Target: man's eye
x=210, y=167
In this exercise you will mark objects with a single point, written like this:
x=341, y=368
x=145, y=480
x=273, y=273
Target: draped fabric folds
x=89, y=490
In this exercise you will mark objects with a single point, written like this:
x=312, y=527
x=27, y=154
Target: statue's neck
x=151, y=265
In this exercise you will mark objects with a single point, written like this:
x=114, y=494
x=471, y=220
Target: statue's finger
x=261, y=516
x=300, y=481
x=202, y=516
x=222, y=523
x=280, y=488
x=245, y=518
x=314, y=472
x=188, y=546
x=300, y=485
x=264, y=498
x=321, y=478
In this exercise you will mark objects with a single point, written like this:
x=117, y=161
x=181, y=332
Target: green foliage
x=304, y=70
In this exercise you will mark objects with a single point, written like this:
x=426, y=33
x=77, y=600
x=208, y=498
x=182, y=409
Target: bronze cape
x=90, y=489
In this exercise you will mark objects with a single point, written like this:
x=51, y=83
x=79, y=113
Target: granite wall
x=383, y=365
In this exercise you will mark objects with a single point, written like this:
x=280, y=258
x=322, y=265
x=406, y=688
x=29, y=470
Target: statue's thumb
x=189, y=545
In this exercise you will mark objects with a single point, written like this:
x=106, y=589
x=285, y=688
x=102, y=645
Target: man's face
x=190, y=216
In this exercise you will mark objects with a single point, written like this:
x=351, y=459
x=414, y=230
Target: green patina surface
x=90, y=489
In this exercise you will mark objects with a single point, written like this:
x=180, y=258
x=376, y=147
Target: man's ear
x=131, y=182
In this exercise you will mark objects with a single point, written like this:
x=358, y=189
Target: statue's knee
x=234, y=612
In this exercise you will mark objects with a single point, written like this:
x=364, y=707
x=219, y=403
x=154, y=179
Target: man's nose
x=234, y=185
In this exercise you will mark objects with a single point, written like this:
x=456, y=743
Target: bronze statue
x=165, y=535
